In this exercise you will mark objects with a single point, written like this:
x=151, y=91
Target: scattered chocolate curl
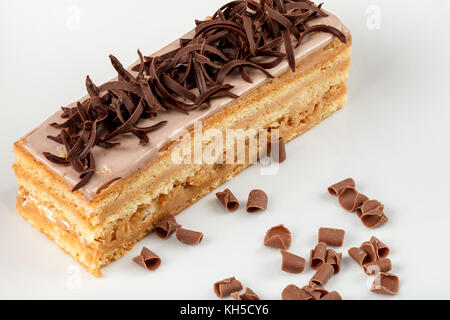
x=278, y=237
x=350, y=199
x=148, y=259
x=257, y=201
x=248, y=295
x=318, y=255
x=386, y=283
x=189, y=237
x=228, y=200
x=292, y=263
x=332, y=237
x=337, y=188
x=166, y=227
x=226, y=287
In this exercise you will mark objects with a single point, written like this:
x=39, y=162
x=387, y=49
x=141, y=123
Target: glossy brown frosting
x=124, y=160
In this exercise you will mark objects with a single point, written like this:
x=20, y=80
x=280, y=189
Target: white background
x=393, y=138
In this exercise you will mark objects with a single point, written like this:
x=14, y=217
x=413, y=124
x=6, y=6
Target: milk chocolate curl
x=334, y=259
x=226, y=287
x=322, y=275
x=189, y=237
x=357, y=254
x=257, y=201
x=350, y=199
x=369, y=248
x=333, y=295
x=374, y=219
x=248, y=295
x=337, y=188
x=292, y=263
x=386, y=283
x=369, y=205
x=292, y=292
x=280, y=154
x=166, y=227
x=315, y=291
x=318, y=255
x=381, y=249
x=148, y=260
x=228, y=200
x=372, y=214
x=332, y=237
x=278, y=237
x=373, y=268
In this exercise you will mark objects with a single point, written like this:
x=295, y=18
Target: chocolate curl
x=248, y=295
x=372, y=214
x=386, y=283
x=292, y=292
x=166, y=227
x=337, y=188
x=333, y=295
x=358, y=254
x=257, y=201
x=292, y=263
x=148, y=260
x=280, y=156
x=332, y=237
x=278, y=237
x=373, y=268
x=381, y=249
x=350, y=199
x=315, y=291
x=334, y=259
x=369, y=248
x=226, y=287
x=228, y=200
x=318, y=255
x=189, y=237
x=322, y=275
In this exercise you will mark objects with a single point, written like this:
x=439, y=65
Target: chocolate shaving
x=373, y=268
x=257, y=201
x=386, y=283
x=369, y=252
x=315, y=291
x=337, y=188
x=359, y=255
x=166, y=227
x=334, y=259
x=240, y=36
x=332, y=237
x=228, y=200
x=350, y=199
x=226, y=287
x=333, y=295
x=372, y=214
x=148, y=260
x=248, y=295
x=292, y=263
x=189, y=237
x=278, y=237
x=381, y=249
x=322, y=275
x=292, y=292
x=318, y=255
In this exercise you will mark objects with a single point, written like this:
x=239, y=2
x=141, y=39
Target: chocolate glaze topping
x=199, y=73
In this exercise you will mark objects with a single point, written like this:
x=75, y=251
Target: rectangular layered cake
x=99, y=174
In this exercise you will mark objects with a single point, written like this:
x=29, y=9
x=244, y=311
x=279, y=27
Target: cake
x=98, y=175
